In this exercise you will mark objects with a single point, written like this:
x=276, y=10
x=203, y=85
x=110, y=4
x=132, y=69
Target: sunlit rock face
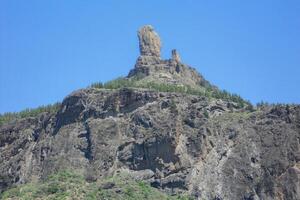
x=149, y=41
x=153, y=68
x=175, y=56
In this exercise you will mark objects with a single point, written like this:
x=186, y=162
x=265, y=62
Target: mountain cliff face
x=206, y=147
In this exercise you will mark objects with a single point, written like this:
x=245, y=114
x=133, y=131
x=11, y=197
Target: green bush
x=205, y=113
x=97, y=85
x=173, y=106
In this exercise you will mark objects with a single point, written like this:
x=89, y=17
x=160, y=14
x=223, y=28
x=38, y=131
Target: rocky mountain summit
x=151, y=67
x=204, y=145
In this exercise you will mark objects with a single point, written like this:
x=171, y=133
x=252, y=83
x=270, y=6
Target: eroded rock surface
x=153, y=68
x=149, y=41
x=176, y=142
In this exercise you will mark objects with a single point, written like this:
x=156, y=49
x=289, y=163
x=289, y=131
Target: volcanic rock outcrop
x=149, y=41
x=151, y=67
x=206, y=147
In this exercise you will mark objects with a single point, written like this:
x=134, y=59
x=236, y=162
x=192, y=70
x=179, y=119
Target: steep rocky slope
x=207, y=147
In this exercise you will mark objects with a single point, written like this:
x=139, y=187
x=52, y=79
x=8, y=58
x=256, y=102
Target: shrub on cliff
x=10, y=116
x=69, y=185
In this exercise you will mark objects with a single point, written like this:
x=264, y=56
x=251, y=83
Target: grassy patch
x=68, y=185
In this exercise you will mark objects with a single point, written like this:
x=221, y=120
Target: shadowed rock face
x=200, y=146
x=177, y=142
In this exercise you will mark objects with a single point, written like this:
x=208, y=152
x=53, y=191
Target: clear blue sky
x=51, y=48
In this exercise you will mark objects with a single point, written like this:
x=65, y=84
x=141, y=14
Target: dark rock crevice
x=155, y=154
x=87, y=150
x=70, y=111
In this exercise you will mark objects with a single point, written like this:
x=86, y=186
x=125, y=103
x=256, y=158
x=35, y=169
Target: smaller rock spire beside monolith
x=175, y=56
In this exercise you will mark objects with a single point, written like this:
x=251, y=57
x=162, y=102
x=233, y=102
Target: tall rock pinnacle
x=149, y=40
x=153, y=68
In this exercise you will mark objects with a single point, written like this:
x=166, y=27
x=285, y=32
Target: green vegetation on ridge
x=68, y=185
x=118, y=83
x=10, y=116
x=161, y=87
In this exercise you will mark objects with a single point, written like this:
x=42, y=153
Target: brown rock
x=175, y=56
x=150, y=44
